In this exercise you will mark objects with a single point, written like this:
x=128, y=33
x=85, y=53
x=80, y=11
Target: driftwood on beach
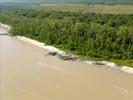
x=64, y=56
x=52, y=53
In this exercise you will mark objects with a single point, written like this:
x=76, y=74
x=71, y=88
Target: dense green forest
x=87, y=34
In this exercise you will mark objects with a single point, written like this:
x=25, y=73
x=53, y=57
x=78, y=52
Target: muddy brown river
x=29, y=73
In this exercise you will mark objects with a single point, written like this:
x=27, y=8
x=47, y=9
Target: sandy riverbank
x=6, y=28
x=111, y=65
x=53, y=49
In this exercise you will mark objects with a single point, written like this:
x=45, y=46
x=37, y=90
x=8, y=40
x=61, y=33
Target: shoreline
x=110, y=65
x=6, y=27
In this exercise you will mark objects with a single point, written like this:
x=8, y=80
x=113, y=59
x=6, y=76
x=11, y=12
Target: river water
x=29, y=73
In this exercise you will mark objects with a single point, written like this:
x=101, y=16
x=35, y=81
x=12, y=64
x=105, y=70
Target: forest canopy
x=93, y=35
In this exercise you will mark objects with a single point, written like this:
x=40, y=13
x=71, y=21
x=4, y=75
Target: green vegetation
x=102, y=36
x=85, y=8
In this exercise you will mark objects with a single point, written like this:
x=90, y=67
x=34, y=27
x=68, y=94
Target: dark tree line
x=88, y=34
